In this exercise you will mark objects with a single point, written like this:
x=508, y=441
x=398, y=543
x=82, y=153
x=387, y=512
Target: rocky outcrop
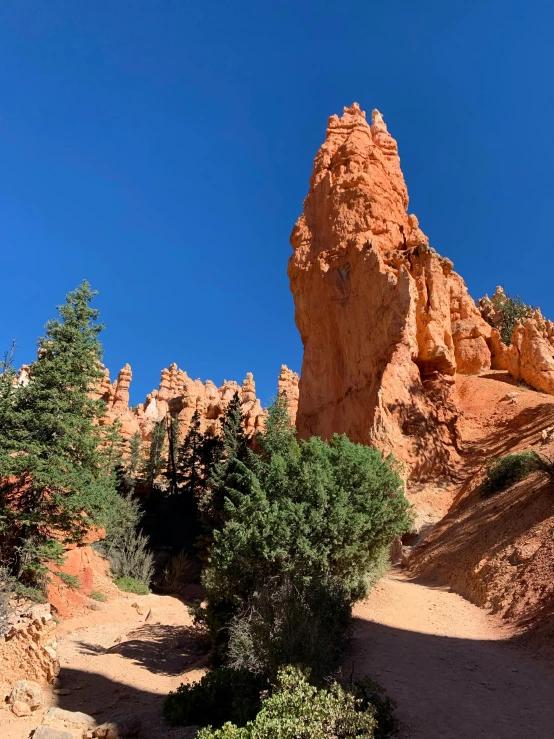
x=28, y=650
x=287, y=387
x=530, y=354
x=180, y=396
x=385, y=321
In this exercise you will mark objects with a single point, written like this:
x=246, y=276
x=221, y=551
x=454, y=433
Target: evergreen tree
x=135, y=454
x=233, y=448
x=279, y=434
x=172, y=426
x=190, y=462
x=156, y=461
x=7, y=392
x=113, y=447
x=132, y=465
x=55, y=481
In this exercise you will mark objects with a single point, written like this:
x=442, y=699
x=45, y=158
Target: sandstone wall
x=385, y=321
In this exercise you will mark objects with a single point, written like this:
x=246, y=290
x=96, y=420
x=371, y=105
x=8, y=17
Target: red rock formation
x=530, y=355
x=181, y=396
x=384, y=320
x=287, y=386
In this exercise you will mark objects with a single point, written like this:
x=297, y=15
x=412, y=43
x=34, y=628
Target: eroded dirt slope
x=498, y=551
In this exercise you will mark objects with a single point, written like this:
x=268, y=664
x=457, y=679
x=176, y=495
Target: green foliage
x=510, y=311
x=372, y=695
x=135, y=454
x=56, y=482
x=306, y=624
x=132, y=585
x=130, y=556
x=324, y=511
x=221, y=695
x=298, y=710
x=25, y=591
x=179, y=571
x=227, y=455
x=70, y=580
x=98, y=595
x=508, y=470
x=156, y=462
x=301, y=524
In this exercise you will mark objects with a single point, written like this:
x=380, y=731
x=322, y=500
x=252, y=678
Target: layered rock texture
x=385, y=321
x=180, y=396
x=530, y=355
x=28, y=648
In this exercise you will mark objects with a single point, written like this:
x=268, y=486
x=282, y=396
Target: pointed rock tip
x=377, y=119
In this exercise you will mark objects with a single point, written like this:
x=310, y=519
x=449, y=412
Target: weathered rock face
x=530, y=355
x=385, y=321
x=180, y=396
x=28, y=649
x=287, y=387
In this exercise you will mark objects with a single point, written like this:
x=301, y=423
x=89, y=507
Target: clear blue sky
x=162, y=150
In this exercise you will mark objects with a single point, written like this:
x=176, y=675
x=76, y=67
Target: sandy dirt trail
x=121, y=660
x=450, y=666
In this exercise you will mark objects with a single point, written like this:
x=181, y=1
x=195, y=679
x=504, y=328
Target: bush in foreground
x=221, y=695
x=286, y=623
x=298, y=710
x=370, y=693
x=132, y=585
x=298, y=517
x=508, y=470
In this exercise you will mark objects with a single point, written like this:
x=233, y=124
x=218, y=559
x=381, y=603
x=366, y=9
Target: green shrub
x=178, y=572
x=25, y=591
x=283, y=623
x=70, y=580
x=129, y=556
x=221, y=695
x=507, y=312
x=305, y=513
x=132, y=585
x=298, y=710
x=371, y=694
x=97, y=595
x=509, y=469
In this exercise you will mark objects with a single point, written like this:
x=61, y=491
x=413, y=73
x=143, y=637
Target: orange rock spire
x=384, y=320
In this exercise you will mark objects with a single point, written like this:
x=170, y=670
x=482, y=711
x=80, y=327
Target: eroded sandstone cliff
x=385, y=321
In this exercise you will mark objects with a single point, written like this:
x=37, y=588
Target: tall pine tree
x=55, y=482
x=156, y=461
x=233, y=448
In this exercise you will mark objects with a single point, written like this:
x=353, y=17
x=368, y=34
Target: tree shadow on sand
x=160, y=648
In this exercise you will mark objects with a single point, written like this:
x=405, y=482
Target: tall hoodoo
x=384, y=320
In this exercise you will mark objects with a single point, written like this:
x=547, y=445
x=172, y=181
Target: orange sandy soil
x=116, y=663
x=452, y=668
x=499, y=551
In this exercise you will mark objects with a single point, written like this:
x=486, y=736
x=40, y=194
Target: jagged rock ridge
x=180, y=396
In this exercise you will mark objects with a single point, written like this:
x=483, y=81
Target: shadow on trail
x=454, y=688
x=109, y=700
x=445, y=688
x=160, y=648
